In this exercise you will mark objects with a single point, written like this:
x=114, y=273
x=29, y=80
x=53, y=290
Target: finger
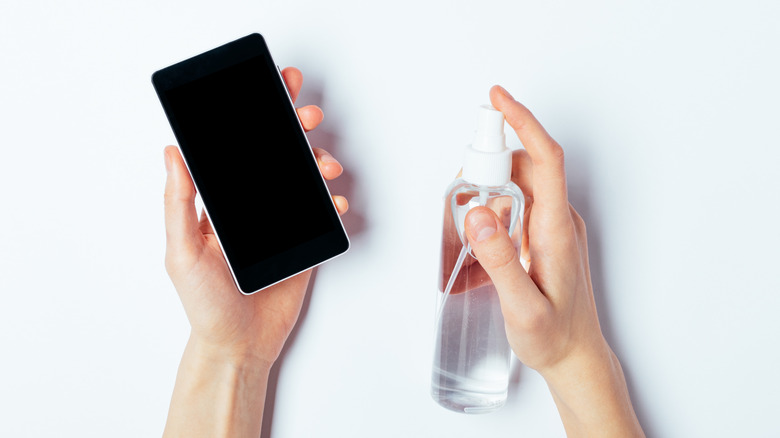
x=329, y=166
x=523, y=171
x=311, y=116
x=523, y=176
x=549, y=177
x=525, y=247
x=582, y=239
x=181, y=218
x=498, y=257
x=341, y=204
x=293, y=78
x=205, y=223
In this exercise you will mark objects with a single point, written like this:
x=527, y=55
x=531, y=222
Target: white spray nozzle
x=488, y=162
x=490, y=130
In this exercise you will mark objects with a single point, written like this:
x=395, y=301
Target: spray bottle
x=472, y=356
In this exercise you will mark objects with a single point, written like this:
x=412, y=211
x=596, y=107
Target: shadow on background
x=273, y=376
x=326, y=137
x=578, y=173
x=515, y=383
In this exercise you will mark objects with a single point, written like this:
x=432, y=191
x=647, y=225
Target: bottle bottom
x=450, y=393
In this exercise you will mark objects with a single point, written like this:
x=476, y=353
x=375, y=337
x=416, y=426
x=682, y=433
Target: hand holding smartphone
x=250, y=161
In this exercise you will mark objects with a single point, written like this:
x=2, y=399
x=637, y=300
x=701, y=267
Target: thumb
x=181, y=217
x=499, y=258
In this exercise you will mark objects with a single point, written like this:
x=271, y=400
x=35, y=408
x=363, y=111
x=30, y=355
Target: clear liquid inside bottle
x=470, y=372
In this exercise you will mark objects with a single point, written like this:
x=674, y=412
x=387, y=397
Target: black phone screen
x=251, y=163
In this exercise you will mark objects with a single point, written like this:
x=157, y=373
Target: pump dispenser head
x=488, y=162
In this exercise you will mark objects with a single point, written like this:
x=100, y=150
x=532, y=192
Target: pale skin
x=550, y=312
x=235, y=339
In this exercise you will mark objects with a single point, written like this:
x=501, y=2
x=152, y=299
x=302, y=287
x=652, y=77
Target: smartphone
x=251, y=163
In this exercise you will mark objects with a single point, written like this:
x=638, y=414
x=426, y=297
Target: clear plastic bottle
x=471, y=360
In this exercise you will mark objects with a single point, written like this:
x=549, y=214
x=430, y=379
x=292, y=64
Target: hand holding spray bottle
x=471, y=361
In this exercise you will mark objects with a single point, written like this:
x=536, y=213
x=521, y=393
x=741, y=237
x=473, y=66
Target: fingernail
x=167, y=162
x=505, y=93
x=328, y=159
x=481, y=225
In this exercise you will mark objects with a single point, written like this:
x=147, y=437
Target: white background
x=668, y=113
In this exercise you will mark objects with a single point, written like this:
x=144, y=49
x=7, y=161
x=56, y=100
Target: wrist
x=591, y=394
x=583, y=364
x=239, y=356
x=219, y=392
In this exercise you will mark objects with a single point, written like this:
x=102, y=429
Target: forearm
x=217, y=394
x=592, y=397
